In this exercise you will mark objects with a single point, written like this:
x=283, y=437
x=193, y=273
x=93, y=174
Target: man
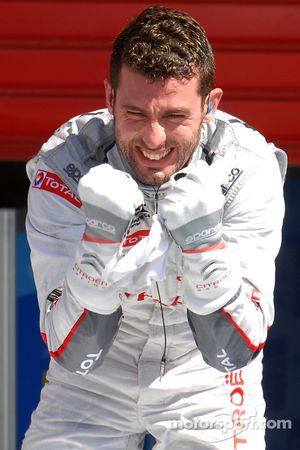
x=154, y=226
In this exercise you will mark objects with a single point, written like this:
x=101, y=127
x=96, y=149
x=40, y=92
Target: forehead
x=135, y=86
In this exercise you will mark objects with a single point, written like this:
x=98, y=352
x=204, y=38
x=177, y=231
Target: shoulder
x=243, y=151
x=76, y=146
x=91, y=127
x=227, y=133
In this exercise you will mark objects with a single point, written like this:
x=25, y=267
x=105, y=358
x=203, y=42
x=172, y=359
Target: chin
x=156, y=179
x=154, y=176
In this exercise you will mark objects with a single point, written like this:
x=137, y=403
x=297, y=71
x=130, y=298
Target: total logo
x=40, y=177
x=51, y=182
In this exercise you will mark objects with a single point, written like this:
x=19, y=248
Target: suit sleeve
x=238, y=277
x=76, y=338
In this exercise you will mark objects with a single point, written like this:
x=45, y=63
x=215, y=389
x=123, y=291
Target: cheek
x=185, y=131
x=187, y=136
x=189, y=143
x=124, y=130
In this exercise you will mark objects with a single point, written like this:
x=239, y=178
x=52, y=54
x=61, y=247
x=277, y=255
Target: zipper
x=163, y=361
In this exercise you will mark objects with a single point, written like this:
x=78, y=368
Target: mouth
x=156, y=156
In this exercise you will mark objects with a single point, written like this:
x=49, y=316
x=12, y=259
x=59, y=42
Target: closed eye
x=177, y=116
x=135, y=114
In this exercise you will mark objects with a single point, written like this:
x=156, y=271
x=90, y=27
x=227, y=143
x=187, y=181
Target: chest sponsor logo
x=134, y=238
x=234, y=174
x=50, y=182
x=141, y=214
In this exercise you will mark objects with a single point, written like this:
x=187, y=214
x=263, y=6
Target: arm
x=228, y=283
x=79, y=311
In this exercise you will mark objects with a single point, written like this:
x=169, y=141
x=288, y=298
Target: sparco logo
x=202, y=234
x=73, y=172
x=99, y=225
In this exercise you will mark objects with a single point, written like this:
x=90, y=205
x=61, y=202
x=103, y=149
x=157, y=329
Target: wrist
x=199, y=233
x=204, y=248
x=103, y=225
x=87, y=284
x=211, y=278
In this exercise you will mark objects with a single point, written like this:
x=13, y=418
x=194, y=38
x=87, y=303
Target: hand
x=192, y=209
x=110, y=198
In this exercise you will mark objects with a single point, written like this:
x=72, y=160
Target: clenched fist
x=110, y=198
x=192, y=209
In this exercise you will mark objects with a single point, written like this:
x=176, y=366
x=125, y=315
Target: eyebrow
x=175, y=110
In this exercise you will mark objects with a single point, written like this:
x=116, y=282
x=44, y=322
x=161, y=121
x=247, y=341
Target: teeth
x=156, y=156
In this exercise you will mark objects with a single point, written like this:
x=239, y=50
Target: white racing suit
x=104, y=389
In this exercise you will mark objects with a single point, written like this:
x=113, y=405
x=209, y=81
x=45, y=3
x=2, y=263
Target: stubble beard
x=158, y=177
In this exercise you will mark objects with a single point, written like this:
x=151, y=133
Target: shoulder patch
x=48, y=181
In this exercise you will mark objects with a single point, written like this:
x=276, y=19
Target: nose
x=154, y=135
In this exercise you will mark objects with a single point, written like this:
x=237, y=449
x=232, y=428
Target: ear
x=109, y=95
x=211, y=104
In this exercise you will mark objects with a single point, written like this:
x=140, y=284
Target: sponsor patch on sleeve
x=51, y=182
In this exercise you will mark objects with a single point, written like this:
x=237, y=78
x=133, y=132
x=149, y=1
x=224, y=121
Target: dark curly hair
x=161, y=43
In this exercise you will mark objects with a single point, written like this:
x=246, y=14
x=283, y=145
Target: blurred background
x=53, y=59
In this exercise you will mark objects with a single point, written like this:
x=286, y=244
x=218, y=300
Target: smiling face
x=157, y=124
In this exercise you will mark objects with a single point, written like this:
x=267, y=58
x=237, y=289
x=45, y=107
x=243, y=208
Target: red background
x=54, y=56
